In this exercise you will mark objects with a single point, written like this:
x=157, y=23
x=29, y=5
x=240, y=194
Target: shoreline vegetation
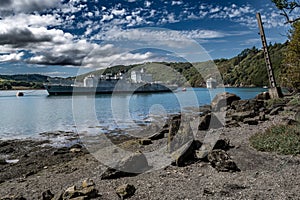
x=244, y=162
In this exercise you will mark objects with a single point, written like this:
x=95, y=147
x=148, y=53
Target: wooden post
x=275, y=92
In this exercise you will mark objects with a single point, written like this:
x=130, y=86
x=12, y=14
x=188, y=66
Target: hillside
x=30, y=81
x=249, y=68
x=246, y=69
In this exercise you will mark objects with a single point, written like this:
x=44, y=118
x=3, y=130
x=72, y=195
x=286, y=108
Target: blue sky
x=65, y=37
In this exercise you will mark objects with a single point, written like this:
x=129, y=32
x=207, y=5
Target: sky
x=67, y=37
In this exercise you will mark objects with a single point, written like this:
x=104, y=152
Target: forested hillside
x=246, y=69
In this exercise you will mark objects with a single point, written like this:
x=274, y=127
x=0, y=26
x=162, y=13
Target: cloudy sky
x=59, y=37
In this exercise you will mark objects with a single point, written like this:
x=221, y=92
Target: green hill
x=246, y=69
x=29, y=81
x=249, y=68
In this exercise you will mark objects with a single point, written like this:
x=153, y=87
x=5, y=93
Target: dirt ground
x=37, y=167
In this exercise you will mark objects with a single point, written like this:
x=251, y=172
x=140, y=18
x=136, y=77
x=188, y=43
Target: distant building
x=211, y=83
x=141, y=76
x=90, y=81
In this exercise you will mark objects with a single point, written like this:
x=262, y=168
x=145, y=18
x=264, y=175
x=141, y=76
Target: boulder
x=204, y=122
x=210, y=121
x=3, y=162
x=221, y=161
x=184, y=154
x=206, y=148
x=247, y=105
x=183, y=135
x=145, y=141
x=276, y=110
x=173, y=129
x=263, y=96
x=128, y=166
x=47, y=195
x=158, y=135
x=134, y=163
x=262, y=116
x=125, y=191
x=251, y=121
x=240, y=116
x=222, y=100
x=85, y=191
x=223, y=144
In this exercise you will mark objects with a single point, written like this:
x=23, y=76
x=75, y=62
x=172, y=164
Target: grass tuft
x=282, y=139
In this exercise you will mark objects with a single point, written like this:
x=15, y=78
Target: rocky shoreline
x=201, y=165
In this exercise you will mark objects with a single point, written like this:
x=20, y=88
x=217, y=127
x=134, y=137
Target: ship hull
x=130, y=88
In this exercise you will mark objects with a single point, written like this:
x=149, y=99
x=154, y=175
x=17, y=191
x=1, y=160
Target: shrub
x=282, y=139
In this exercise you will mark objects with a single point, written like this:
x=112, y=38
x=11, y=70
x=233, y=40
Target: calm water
x=36, y=112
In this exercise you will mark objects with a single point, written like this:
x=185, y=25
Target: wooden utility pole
x=275, y=92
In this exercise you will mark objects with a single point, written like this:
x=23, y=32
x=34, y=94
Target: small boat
x=265, y=87
x=183, y=89
x=19, y=94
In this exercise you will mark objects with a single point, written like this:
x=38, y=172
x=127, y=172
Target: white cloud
x=13, y=57
x=30, y=20
x=118, y=12
x=147, y=4
x=176, y=3
x=107, y=18
x=26, y=6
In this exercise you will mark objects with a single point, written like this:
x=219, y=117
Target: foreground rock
x=221, y=101
x=126, y=190
x=221, y=161
x=85, y=191
x=129, y=166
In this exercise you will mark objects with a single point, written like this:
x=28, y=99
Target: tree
x=288, y=8
x=292, y=57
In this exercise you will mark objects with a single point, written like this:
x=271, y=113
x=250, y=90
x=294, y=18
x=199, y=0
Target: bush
x=282, y=139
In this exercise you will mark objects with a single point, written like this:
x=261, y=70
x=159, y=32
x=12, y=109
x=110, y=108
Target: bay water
x=36, y=112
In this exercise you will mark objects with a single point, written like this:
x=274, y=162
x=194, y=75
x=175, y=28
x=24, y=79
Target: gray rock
x=221, y=101
x=184, y=154
x=223, y=144
x=240, y=116
x=3, y=162
x=173, y=129
x=129, y=166
x=47, y=195
x=210, y=121
x=145, y=141
x=251, y=121
x=85, y=191
x=204, y=122
x=252, y=105
x=262, y=116
x=263, y=96
x=135, y=163
x=125, y=191
x=205, y=149
x=276, y=110
x=221, y=161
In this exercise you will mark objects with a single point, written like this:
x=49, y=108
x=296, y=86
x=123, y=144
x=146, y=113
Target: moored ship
x=139, y=82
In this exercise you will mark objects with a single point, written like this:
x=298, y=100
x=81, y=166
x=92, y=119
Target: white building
x=140, y=77
x=211, y=83
x=90, y=81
